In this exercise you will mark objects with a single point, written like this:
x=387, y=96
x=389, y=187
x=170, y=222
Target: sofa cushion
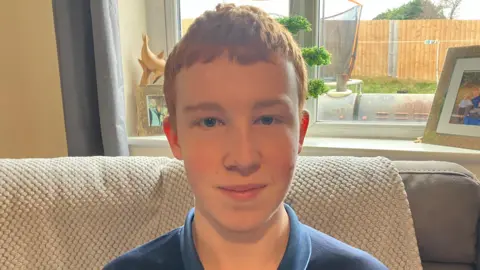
x=445, y=201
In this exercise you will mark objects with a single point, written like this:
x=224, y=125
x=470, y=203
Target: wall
x=31, y=112
x=136, y=18
x=132, y=24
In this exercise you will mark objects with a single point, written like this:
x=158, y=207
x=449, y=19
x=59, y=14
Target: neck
x=220, y=248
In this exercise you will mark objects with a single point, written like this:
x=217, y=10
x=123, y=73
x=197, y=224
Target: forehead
x=233, y=85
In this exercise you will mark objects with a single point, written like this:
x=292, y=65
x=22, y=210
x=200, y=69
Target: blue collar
x=296, y=257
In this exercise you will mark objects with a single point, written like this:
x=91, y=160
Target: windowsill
x=324, y=146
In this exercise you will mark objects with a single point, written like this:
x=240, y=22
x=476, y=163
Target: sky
x=469, y=9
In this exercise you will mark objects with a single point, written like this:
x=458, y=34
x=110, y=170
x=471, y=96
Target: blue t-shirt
x=307, y=249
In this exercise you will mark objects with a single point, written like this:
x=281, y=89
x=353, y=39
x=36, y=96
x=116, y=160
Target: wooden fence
x=398, y=48
x=372, y=50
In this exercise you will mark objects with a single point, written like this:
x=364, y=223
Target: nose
x=242, y=155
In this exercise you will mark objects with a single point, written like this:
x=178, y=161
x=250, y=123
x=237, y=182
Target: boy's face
x=238, y=131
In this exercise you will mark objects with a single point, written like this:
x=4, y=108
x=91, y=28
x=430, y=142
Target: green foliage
x=316, y=56
x=316, y=88
x=295, y=24
x=390, y=85
x=313, y=56
x=408, y=11
x=413, y=10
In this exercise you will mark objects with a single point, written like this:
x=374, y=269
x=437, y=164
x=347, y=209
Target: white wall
x=137, y=17
x=132, y=20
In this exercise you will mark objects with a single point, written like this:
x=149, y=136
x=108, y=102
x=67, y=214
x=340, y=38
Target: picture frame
x=151, y=110
x=454, y=119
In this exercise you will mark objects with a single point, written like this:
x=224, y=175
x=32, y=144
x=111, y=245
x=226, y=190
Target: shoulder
x=330, y=253
x=162, y=252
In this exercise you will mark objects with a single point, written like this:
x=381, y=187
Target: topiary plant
x=313, y=56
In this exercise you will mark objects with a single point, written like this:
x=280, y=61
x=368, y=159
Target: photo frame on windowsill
x=151, y=110
x=455, y=115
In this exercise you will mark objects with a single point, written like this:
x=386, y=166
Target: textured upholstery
x=79, y=213
x=445, y=203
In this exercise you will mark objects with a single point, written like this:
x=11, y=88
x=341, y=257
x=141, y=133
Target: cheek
x=201, y=155
x=281, y=141
x=201, y=170
x=279, y=153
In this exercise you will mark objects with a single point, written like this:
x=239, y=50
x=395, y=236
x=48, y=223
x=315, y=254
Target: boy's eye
x=267, y=120
x=208, y=122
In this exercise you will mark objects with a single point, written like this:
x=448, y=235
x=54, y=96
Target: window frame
x=350, y=129
x=172, y=23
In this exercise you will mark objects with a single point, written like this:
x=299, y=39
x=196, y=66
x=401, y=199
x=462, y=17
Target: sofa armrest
x=445, y=203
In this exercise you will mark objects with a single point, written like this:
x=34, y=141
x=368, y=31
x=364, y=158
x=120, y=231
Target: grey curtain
x=91, y=76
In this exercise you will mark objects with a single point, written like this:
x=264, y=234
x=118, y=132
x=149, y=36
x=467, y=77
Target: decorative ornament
x=151, y=63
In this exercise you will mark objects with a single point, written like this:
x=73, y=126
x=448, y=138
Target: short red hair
x=248, y=34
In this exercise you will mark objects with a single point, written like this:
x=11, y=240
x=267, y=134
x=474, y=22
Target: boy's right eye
x=208, y=122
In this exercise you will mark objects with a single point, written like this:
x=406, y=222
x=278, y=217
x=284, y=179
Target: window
x=387, y=57
x=392, y=64
x=191, y=9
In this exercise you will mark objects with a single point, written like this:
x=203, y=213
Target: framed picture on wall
x=151, y=110
x=455, y=116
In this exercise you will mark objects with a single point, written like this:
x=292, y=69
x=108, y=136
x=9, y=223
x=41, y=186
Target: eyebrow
x=212, y=106
x=269, y=103
x=204, y=106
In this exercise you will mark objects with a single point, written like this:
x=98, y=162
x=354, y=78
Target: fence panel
x=415, y=59
x=372, y=51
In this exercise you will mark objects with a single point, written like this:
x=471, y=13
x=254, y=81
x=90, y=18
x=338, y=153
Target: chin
x=240, y=215
x=244, y=219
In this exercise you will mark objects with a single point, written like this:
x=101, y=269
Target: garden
x=389, y=85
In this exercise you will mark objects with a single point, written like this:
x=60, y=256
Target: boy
x=235, y=87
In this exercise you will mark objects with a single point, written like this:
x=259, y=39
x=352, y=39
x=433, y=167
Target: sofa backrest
x=79, y=213
x=445, y=203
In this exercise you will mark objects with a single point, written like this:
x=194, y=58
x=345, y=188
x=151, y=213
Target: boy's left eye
x=267, y=120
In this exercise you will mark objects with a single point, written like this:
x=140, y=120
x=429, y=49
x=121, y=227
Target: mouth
x=243, y=192
x=242, y=188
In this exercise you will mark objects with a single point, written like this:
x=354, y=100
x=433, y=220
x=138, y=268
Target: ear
x=160, y=55
x=172, y=138
x=304, y=122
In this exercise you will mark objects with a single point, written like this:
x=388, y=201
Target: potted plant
x=313, y=56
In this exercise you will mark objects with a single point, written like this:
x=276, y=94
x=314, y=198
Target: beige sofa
x=65, y=207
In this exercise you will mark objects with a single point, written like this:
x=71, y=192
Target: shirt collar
x=296, y=257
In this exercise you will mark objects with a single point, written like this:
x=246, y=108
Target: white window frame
x=351, y=129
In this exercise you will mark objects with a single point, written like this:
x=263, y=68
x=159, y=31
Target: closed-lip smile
x=242, y=188
x=242, y=192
